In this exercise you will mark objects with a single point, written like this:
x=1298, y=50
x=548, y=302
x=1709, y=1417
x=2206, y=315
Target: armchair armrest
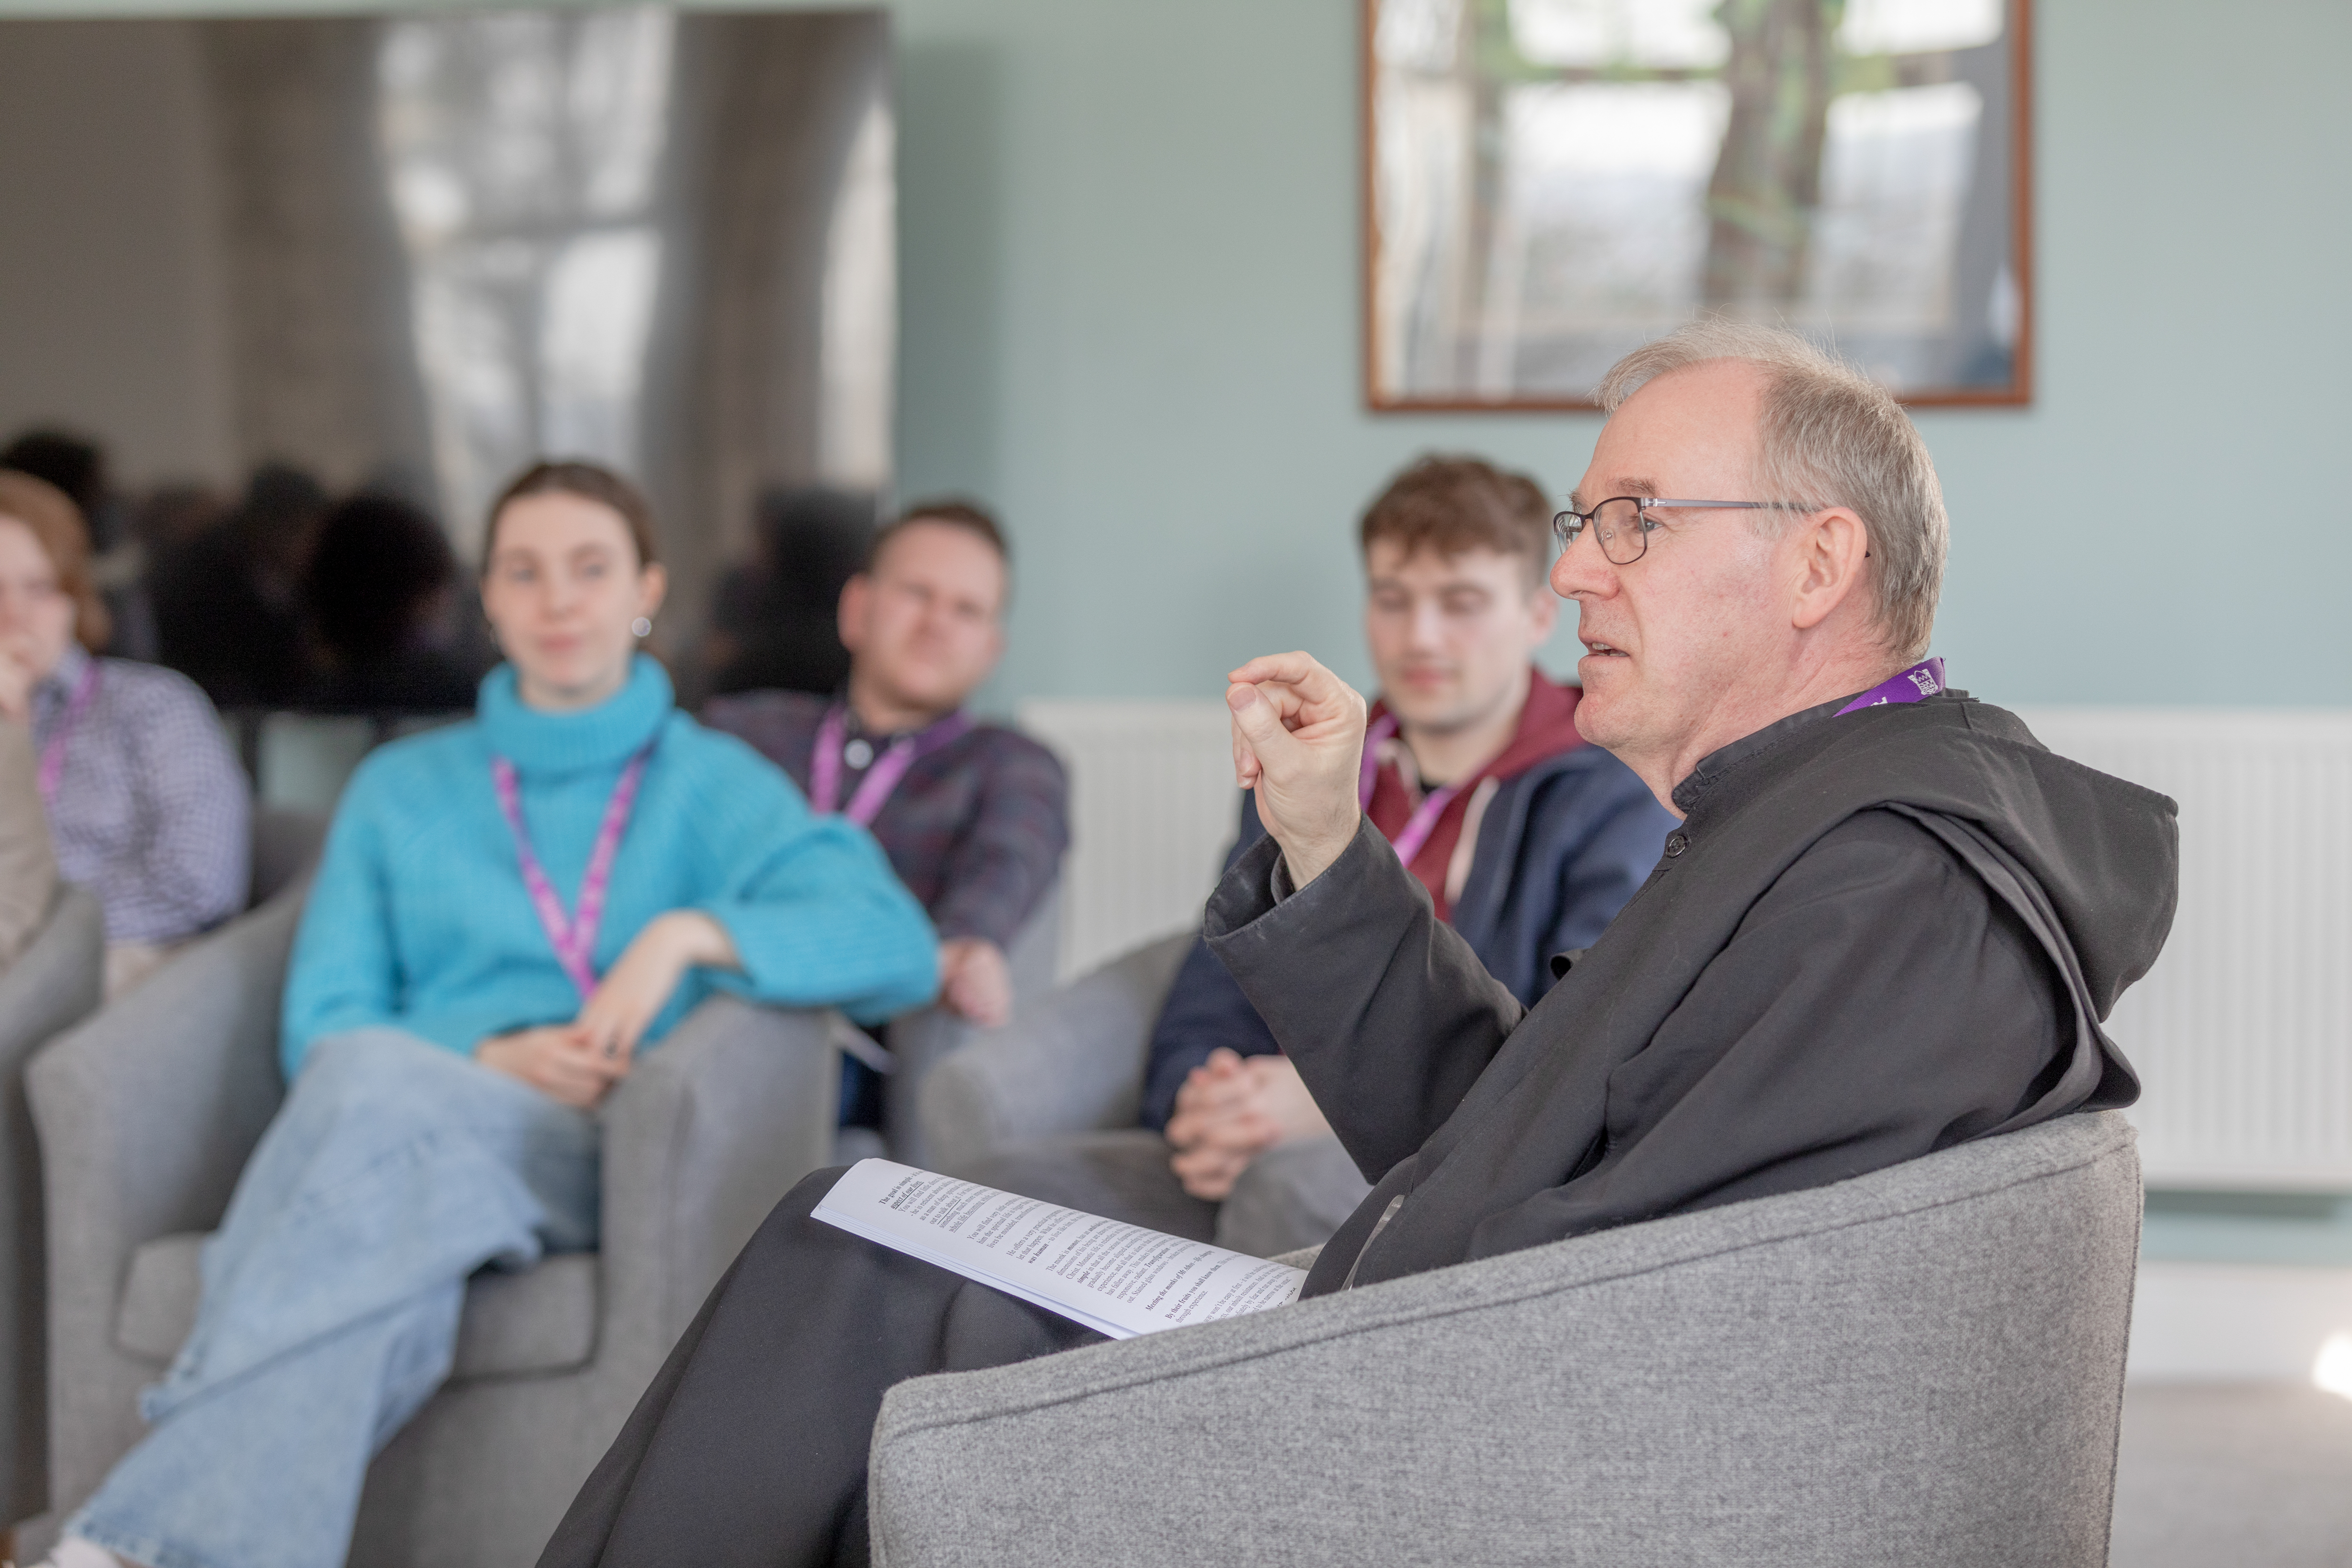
x=146, y=1114
x=919, y=1041
x=702, y=1138
x=53, y=985
x=1070, y=1063
x=1892, y=1369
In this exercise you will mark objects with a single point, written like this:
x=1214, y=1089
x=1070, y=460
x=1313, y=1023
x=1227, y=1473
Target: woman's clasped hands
x=578, y=1063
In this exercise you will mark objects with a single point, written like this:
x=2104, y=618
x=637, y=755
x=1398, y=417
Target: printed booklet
x=1116, y=1279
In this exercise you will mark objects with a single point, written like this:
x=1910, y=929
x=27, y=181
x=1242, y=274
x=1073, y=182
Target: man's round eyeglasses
x=1624, y=524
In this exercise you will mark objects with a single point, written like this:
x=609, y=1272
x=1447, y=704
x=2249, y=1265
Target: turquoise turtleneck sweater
x=418, y=919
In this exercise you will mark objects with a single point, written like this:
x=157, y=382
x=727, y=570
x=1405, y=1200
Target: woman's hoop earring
x=641, y=626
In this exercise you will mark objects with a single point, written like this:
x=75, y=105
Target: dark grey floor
x=2233, y=1476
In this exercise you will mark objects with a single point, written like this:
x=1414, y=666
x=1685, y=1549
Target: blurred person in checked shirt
x=973, y=816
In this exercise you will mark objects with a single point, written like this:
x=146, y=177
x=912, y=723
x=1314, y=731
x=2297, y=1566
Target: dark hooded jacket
x=1874, y=935
x=1566, y=837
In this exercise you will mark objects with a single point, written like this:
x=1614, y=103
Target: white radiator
x=2243, y=1033
x=1152, y=810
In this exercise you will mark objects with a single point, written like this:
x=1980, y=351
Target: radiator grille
x=1152, y=808
x=2242, y=1031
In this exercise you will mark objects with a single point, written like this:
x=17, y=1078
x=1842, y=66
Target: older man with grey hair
x=1888, y=921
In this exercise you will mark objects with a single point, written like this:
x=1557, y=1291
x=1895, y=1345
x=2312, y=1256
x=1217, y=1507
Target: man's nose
x=1582, y=569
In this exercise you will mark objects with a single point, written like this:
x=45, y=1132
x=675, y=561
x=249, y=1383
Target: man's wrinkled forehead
x=1608, y=490
x=1695, y=426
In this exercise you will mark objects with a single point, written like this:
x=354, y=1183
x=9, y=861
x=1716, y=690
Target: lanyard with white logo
x=833, y=746
x=1916, y=684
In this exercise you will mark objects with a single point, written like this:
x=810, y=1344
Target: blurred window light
x=618, y=106
x=860, y=314
x=1917, y=27
x=1896, y=169
x=1623, y=129
x=2332, y=1372
x=1418, y=35
x=522, y=152
x=1661, y=35
x=1589, y=168
x=598, y=316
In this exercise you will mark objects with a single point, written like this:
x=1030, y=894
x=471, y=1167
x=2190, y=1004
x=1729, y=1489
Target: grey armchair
x=147, y=1114
x=1070, y=1062
x=1919, y=1366
x=53, y=985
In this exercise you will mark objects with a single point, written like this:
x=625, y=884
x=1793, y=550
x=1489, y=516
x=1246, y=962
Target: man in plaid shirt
x=974, y=817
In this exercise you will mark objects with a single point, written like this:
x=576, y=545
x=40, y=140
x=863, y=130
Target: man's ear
x=1831, y=561
x=849, y=616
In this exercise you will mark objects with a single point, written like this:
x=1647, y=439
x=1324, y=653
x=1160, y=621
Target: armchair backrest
x=1923, y=1365
x=146, y=1113
x=286, y=844
x=1068, y=1063
x=1037, y=949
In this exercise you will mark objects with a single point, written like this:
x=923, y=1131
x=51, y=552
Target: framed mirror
x=1548, y=184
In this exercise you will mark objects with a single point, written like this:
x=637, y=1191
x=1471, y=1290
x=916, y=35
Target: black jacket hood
x=2105, y=851
x=2089, y=861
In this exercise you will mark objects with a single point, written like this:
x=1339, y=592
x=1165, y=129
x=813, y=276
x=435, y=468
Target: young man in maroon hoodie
x=1526, y=839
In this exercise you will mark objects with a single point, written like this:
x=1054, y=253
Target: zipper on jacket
x=1387, y=1215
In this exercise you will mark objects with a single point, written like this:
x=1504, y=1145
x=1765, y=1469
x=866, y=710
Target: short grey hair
x=1828, y=436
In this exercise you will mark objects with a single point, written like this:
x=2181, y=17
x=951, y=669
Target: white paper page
x=1118, y=1280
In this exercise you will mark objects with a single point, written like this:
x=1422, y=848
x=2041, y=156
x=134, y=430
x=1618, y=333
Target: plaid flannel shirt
x=976, y=829
x=152, y=812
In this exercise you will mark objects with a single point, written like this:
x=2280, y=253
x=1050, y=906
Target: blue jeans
x=332, y=1294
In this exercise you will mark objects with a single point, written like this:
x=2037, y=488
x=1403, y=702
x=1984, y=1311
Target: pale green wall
x=1131, y=306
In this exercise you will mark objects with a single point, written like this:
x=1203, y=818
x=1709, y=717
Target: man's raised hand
x=1299, y=740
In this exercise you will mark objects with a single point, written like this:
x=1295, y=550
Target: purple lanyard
x=574, y=940
x=53, y=755
x=1916, y=684
x=832, y=740
x=1423, y=820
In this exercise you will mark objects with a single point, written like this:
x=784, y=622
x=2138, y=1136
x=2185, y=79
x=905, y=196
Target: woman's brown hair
x=57, y=523
x=589, y=482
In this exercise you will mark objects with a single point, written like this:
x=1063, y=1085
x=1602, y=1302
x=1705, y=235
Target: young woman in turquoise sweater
x=509, y=912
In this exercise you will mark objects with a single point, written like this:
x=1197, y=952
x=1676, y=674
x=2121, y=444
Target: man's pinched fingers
x=1297, y=668
x=1302, y=689
x=1258, y=728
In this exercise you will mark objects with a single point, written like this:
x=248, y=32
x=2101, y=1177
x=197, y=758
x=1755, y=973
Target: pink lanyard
x=1423, y=820
x=826, y=764
x=1916, y=684
x=53, y=755
x=574, y=940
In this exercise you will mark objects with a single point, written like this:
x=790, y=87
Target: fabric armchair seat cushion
x=538, y=1320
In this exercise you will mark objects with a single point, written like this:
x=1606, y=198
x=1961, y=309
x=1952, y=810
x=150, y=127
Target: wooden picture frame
x=1860, y=277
